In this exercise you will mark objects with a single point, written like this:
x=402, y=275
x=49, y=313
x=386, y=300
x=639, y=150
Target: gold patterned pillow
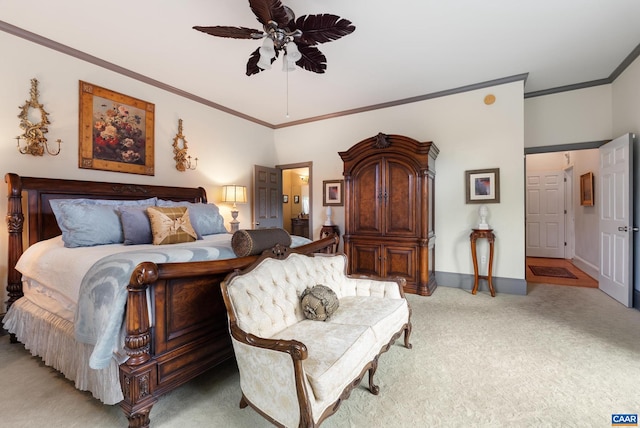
x=171, y=225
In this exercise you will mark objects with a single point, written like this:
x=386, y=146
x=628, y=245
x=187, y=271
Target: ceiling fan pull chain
x=287, y=115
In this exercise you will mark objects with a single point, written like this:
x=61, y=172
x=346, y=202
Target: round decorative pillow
x=319, y=302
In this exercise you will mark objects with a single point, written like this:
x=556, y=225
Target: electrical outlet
x=483, y=260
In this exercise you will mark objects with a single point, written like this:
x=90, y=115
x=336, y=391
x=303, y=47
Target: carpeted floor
x=558, y=357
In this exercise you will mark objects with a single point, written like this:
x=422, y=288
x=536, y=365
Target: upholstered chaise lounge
x=296, y=371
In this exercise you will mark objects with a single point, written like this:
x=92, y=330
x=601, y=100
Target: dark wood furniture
x=331, y=230
x=389, y=210
x=482, y=234
x=190, y=333
x=300, y=226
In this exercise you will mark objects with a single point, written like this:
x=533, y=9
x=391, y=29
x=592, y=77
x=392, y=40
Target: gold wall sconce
x=183, y=160
x=34, y=133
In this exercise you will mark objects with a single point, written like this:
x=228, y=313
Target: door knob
x=622, y=229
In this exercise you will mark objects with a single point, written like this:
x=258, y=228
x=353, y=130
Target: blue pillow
x=135, y=225
x=89, y=222
x=86, y=225
x=205, y=218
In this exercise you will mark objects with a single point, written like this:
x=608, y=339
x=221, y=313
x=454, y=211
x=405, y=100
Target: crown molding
x=67, y=50
x=606, y=81
x=83, y=56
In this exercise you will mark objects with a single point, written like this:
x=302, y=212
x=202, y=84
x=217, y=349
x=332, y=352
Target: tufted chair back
x=266, y=299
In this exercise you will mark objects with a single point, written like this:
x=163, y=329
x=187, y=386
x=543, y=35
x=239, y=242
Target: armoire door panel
x=402, y=262
x=401, y=199
x=365, y=259
x=367, y=192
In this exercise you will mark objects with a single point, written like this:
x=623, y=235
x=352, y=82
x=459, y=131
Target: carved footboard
x=190, y=334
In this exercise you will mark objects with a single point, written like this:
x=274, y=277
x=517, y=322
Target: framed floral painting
x=116, y=131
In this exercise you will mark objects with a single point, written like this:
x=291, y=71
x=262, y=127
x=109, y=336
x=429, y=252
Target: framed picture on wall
x=586, y=189
x=332, y=193
x=285, y=199
x=116, y=131
x=296, y=199
x=482, y=186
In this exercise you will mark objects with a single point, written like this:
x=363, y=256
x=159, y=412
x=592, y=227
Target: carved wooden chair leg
x=243, y=402
x=373, y=388
x=407, y=333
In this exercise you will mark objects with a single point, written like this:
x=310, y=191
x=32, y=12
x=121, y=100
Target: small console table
x=300, y=226
x=475, y=235
x=330, y=231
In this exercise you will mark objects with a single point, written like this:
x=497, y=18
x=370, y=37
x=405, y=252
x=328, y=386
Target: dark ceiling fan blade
x=252, y=64
x=231, y=32
x=323, y=28
x=312, y=59
x=269, y=10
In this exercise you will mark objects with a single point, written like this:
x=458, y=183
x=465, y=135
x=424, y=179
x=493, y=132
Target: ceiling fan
x=296, y=38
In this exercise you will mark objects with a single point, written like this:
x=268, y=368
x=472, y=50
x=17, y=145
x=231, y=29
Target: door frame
x=308, y=164
x=551, y=149
x=569, y=217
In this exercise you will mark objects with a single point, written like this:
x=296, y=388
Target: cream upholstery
x=294, y=370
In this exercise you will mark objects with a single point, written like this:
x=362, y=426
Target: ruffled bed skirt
x=53, y=339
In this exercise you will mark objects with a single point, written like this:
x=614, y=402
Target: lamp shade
x=235, y=194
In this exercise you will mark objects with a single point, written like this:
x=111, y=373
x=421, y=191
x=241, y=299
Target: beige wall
x=568, y=117
x=227, y=146
x=469, y=134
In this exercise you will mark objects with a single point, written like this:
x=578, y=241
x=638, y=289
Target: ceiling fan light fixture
x=267, y=53
x=292, y=52
x=288, y=64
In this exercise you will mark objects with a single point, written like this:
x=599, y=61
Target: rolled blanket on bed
x=255, y=241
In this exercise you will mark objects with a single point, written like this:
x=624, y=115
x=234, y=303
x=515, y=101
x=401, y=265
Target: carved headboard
x=41, y=223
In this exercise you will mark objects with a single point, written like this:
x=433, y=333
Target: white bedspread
x=54, y=275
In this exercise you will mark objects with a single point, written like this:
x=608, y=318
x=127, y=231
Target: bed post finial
x=15, y=224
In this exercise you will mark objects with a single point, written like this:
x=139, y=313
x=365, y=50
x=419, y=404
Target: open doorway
x=558, y=227
x=296, y=198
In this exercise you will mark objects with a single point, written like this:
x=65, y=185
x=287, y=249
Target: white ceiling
x=400, y=49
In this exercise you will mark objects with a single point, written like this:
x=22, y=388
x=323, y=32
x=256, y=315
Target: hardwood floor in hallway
x=583, y=279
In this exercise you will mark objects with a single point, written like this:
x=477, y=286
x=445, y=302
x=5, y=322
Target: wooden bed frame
x=190, y=333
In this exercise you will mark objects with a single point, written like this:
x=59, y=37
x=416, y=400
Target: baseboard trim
x=586, y=267
x=465, y=281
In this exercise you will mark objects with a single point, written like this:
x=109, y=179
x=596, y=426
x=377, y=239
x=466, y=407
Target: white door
x=616, y=216
x=545, y=214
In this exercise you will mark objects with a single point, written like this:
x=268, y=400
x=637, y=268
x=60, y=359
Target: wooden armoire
x=389, y=210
